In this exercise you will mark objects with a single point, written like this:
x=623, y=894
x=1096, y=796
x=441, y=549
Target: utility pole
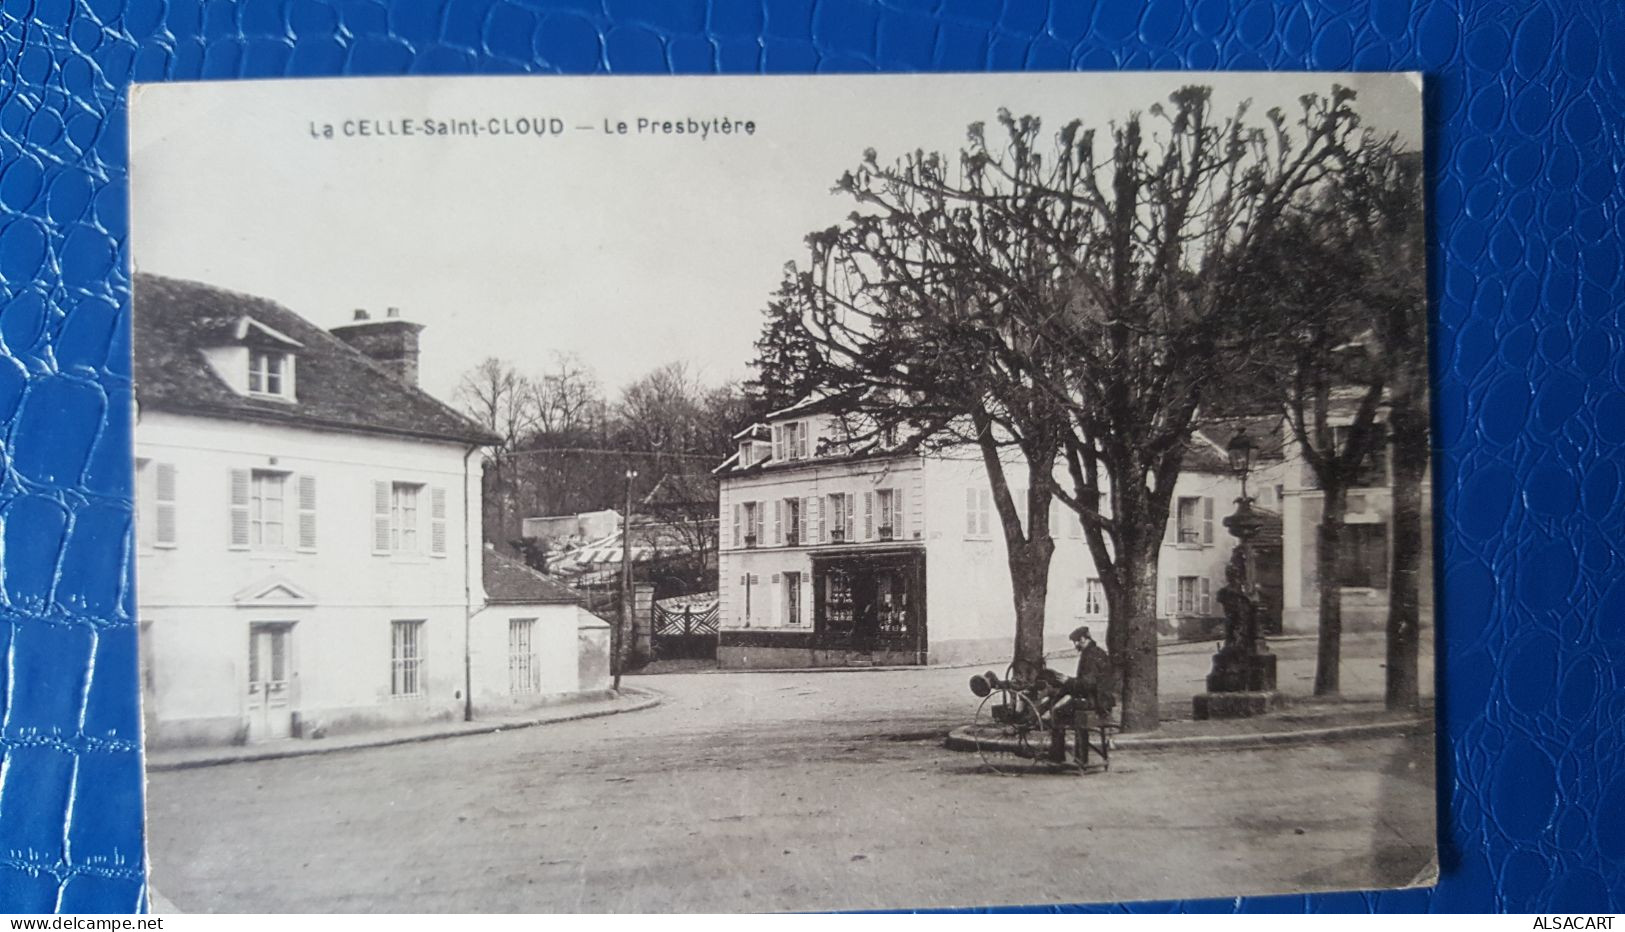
x=624, y=620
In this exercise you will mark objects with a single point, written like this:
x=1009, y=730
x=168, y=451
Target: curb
x=651, y=698
x=1167, y=647
x=960, y=740
x=909, y=668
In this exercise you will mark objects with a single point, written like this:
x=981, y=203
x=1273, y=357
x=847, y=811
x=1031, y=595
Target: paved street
x=778, y=792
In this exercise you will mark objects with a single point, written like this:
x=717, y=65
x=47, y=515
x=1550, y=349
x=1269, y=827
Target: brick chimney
x=390, y=341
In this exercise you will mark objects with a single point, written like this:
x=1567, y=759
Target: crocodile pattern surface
x=1526, y=115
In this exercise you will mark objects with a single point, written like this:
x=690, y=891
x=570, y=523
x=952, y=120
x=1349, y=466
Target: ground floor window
x=1362, y=559
x=524, y=673
x=1094, y=597
x=792, y=598
x=870, y=602
x=406, y=658
x=1193, y=595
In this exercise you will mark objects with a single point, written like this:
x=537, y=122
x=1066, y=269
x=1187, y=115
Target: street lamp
x=1242, y=682
x=1240, y=450
x=624, y=619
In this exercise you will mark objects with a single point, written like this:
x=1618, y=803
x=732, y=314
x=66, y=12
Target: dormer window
x=268, y=373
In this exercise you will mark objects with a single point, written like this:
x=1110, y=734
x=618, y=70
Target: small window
x=838, y=517
x=1094, y=597
x=406, y=658
x=524, y=672
x=886, y=514
x=795, y=440
x=792, y=598
x=1362, y=559
x=268, y=373
x=1372, y=472
x=793, y=525
x=267, y=510
x=1187, y=595
x=1190, y=531
x=403, y=516
x=978, y=512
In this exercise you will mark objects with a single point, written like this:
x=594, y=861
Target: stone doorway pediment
x=274, y=592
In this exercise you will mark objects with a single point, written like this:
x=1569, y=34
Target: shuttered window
x=437, y=521
x=238, y=539
x=163, y=524
x=398, y=516
x=307, y=512
x=380, y=517
x=258, y=505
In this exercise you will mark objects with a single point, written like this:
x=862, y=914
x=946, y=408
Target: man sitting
x=1092, y=684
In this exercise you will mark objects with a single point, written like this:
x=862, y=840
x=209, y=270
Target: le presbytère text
x=536, y=126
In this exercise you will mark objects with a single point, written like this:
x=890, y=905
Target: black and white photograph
x=758, y=494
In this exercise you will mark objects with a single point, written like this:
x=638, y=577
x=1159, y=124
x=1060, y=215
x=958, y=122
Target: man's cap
x=1079, y=634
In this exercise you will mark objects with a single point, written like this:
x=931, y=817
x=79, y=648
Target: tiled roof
x=338, y=387
x=510, y=582
x=1267, y=433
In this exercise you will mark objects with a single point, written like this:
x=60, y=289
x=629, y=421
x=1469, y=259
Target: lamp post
x=1245, y=523
x=1242, y=682
x=624, y=619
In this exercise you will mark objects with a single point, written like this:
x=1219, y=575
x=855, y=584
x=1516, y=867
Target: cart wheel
x=1017, y=740
x=1023, y=673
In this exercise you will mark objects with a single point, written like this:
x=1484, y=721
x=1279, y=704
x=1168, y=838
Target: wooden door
x=270, y=672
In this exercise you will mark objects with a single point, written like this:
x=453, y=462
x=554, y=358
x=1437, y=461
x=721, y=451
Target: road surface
x=778, y=792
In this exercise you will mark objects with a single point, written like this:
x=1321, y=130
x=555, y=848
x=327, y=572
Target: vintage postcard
x=758, y=494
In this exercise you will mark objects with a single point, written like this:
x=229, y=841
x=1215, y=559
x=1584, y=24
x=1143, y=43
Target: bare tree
x=503, y=401
x=1114, y=283
x=910, y=308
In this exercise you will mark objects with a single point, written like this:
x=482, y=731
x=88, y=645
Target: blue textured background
x=1525, y=114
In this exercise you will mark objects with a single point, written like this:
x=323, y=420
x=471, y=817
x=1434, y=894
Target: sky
x=630, y=250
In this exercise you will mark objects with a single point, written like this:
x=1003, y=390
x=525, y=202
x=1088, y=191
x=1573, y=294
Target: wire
x=707, y=457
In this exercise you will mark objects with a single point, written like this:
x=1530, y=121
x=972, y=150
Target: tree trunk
x=1402, y=690
x=1136, y=653
x=1029, y=577
x=1328, y=676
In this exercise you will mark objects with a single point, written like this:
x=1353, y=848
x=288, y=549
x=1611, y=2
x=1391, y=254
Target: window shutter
x=1207, y=522
x=778, y=522
x=761, y=524
x=380, y=517
x=437, y=521
x=868, y=516
x=164, y=505
x=970, y=512
x=239, y=509
x=776, y=612
x=823, y=530
x=1170, y=530
x=851, y=510
x=739, y=538
x=1171, y=592
x=982, y=516
x=805, y=522
x=307, y=512
x=778, y=443
x=1207, y=597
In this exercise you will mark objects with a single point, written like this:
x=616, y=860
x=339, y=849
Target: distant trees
x=1077, y=299
x=565, y=446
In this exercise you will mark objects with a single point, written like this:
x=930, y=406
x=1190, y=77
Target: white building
x=308, y=532
x=832, y=555
x=1366, y=543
